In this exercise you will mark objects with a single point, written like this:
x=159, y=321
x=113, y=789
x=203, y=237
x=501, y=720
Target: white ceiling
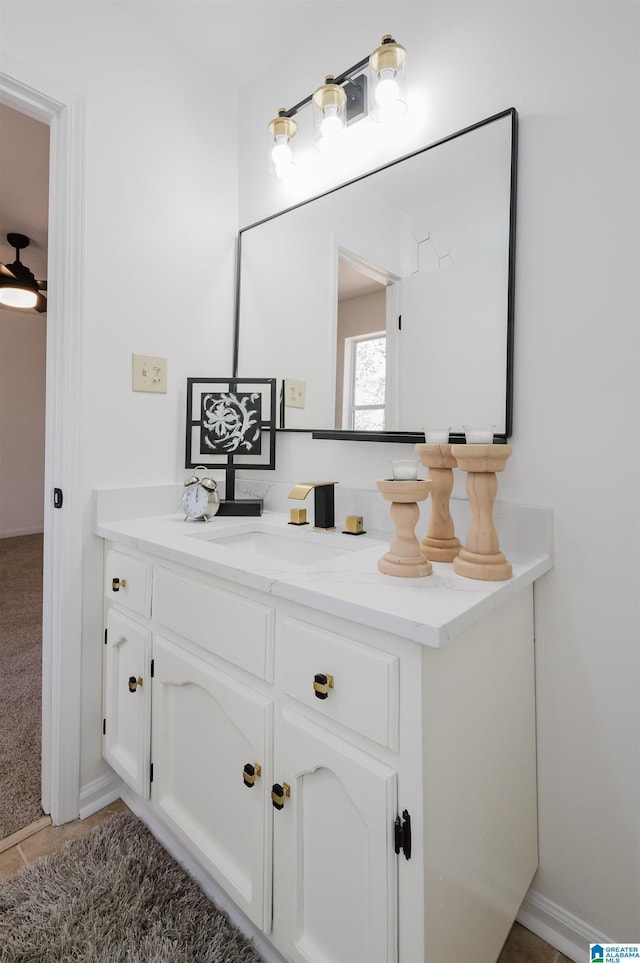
x=238, y=39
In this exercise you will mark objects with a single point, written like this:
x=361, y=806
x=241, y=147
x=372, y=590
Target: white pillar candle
x=404, y=470
x=436, y=436
x=479, y=435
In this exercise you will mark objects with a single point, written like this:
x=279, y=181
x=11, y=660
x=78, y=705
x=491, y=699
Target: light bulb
x=281, y=152
x=331, y=125
x=387, y=88
x=389, y=103
x=18, y=298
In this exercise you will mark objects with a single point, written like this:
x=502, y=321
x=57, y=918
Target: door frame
x=63, y=111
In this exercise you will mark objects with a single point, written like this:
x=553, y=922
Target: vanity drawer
x=364, y=696
x=128, y=582
x=231, y=626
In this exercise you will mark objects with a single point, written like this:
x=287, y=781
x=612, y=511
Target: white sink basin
x=278, y=547
x=255, y=541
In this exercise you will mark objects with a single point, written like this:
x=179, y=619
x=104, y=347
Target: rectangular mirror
x=386, y=305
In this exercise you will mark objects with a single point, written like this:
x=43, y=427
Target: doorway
x=62, y=111
x=24, y=207
x=364, y=348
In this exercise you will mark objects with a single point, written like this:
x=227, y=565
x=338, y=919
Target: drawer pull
x=278, y=794
x=118, y=583
x=134, y=683
x=321, y=685
x=250, y=773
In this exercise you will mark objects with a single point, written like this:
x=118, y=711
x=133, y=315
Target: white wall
x=158, y=252
x=571, y=70
x=22, y=374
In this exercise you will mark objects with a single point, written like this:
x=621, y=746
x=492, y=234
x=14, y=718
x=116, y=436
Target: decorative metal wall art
x=231, y=423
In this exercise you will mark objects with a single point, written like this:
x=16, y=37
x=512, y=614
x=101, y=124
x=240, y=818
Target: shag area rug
x=113, y=896
x=20, y=681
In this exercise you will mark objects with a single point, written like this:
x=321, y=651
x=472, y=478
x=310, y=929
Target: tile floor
x=522, y=946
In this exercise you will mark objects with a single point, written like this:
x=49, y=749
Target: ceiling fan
x=18, y=286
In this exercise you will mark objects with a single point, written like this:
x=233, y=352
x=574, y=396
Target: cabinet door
x=127, y=703
x=335, y=883
x=206, y=727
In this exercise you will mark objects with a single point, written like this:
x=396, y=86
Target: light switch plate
x=148, y=373
x=294, y=393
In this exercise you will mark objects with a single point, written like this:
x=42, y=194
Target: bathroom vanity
x=349, y=756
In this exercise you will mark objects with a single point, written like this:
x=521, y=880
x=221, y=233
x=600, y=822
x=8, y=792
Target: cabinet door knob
x=134, y=683
x=250, y=773
x=118, y=583
x=278, y=794
x=321, y=685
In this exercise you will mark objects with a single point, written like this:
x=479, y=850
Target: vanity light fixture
x=352, y=95
x=388, y=100
x=282, y=129
x=18, y=286
x=330, y=115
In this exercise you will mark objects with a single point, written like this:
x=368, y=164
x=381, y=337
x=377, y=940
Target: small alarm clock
x=200, y=499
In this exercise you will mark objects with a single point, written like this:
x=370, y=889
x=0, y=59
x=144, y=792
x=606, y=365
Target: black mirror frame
x=414, y=437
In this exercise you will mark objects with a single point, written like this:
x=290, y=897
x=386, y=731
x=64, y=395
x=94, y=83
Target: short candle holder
x=404, y=558
x=440, y=543
x=481, y=557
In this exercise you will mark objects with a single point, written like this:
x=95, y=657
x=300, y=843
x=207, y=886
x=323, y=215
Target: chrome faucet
x=323, y=502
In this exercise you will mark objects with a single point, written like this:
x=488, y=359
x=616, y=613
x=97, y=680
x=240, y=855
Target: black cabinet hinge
x=105, y=636
x=57, y=498
x=150, y=772
x=402, y=834
x=104, y=727
x=399, y=322
x=153, y=667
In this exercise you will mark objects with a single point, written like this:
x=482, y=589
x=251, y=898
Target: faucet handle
x=302, y=489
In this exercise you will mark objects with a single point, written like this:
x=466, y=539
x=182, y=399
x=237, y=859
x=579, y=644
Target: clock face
x=195, y=501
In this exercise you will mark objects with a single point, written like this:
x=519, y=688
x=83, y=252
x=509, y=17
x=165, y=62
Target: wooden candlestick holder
x=481, y=557
x=404, y=558
x=440, y=543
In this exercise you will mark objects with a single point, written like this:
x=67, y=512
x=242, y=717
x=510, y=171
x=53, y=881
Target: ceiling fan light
x=18, y=297
x=18, y=286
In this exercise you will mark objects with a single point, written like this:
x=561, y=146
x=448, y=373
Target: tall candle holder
x=481, y=557
x=440, y=543
x=404, y=558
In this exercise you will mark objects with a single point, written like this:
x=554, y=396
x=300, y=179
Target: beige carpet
x=20, y=681
x=114, y=896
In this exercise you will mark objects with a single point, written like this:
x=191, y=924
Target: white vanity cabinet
x=211, y=736
x=335, y=879
x=360, y=796
x=127, y=669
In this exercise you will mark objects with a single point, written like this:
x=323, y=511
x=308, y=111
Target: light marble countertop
x=431, y=610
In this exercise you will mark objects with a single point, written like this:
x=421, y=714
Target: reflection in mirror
x=361, y=355
x=391, y=297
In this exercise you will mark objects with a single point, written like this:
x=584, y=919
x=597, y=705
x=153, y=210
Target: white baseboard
x=98, y=793
x=558, y=926
x=22, y=531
